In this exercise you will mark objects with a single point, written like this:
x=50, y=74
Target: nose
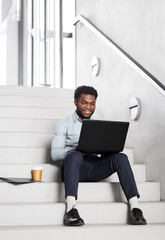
x=88, y=106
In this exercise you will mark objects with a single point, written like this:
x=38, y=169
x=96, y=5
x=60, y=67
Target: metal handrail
x=125, y=56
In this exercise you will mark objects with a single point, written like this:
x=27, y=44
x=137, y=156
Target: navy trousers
x=78, y=167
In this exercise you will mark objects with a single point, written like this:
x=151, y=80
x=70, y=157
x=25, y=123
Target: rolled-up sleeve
x=58, y=150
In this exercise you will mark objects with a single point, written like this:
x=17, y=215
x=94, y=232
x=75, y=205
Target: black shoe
x=72, y=218
x=137, y=217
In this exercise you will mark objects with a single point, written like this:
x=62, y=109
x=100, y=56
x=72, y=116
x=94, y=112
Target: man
x=77, y=167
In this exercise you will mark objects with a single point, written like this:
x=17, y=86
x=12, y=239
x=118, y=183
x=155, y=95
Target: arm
x=58, y=142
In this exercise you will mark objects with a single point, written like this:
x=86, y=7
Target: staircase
x=35, y=210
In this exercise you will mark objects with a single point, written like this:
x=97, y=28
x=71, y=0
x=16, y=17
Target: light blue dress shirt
x=66, y=136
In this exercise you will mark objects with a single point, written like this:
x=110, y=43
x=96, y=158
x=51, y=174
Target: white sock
x=71, y=202
x=133, y=202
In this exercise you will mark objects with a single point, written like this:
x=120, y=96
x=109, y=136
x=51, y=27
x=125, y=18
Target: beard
x=81, y=115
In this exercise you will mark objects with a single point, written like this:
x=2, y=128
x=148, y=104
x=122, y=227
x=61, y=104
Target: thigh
x=77, y=164
x=71, y=164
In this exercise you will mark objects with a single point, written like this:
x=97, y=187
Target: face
x=85, y=106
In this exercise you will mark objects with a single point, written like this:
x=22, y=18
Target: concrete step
x=51, y=172
x=32, y=155
x=88, y=192
x=34, y=113
x=92, y=213
x=24, y=155
x=35, y=91
x=87, y=232
x=10, y=139
x=28, y=125
x=37, y=101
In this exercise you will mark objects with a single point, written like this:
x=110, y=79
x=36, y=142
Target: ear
x=75, y=102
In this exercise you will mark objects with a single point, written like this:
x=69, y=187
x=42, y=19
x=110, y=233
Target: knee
x=120, y=160
x=123, y=157
x=74, y=158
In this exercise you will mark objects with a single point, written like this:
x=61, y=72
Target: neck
x=80, y=116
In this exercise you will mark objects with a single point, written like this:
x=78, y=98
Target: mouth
x=85, y=112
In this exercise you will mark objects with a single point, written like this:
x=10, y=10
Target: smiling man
x=79, y=167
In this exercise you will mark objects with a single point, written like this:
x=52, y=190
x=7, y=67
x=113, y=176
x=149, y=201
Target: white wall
x=138, y=27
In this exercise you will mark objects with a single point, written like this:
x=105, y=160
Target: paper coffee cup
x=37, y=174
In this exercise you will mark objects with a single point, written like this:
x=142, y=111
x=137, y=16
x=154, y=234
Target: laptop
x=101, y=136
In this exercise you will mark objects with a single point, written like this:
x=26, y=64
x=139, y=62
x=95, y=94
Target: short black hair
x=85, y=90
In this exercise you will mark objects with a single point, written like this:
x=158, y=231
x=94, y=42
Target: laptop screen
x=100, y=136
